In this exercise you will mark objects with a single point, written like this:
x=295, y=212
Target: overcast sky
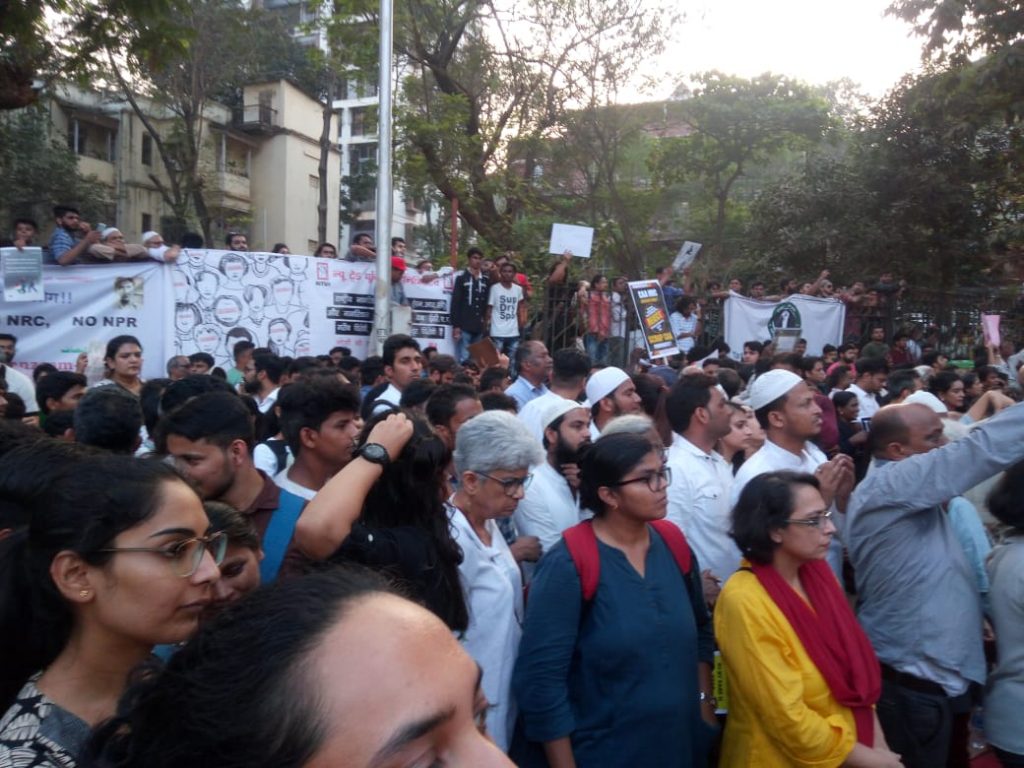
x=814, y=40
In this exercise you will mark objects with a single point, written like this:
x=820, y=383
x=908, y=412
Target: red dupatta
x=832, y=638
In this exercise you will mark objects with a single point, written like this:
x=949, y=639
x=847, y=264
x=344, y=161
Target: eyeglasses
x=813, y=522
x=511, y=485
x=655, y=480
x=185, y=556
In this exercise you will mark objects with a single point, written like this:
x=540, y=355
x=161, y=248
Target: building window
x=77, y=134
x=314, y=181
x=361, y=156
x=364, y=121
x=147, y=222
x=147, y=149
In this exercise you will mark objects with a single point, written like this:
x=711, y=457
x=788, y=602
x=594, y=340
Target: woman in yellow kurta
x=802, y=676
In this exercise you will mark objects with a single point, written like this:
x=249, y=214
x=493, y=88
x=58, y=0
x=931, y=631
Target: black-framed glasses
x=185, y=556
x=510, y=485
x=655, y=480
x=817, y=521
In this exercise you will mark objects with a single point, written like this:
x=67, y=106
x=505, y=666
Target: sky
x=813, y=40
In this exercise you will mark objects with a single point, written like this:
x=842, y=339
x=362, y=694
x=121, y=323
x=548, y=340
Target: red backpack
x=581, y=542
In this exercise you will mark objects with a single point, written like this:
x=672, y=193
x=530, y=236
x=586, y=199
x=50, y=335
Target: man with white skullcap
x=784, y=406
x=610, y=393
x=158, y=249
x=551, y=503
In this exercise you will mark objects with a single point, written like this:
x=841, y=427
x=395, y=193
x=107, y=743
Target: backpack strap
x=676, y=542
x=582, y=545
x=279, y=534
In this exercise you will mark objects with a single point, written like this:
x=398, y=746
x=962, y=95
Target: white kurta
x=494, y=596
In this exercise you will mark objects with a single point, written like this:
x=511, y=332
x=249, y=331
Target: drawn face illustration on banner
x=283, y=291
x=233, y=267
x=207, y=283
x=278, y=334
x=183, y=292
x=227, y=310
x=207, y=337
x=256, y=300
x=186, y=318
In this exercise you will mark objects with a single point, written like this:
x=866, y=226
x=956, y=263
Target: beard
x=251, y=387
x=566, y=454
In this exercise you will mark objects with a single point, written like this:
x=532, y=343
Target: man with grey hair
x=918, y=600
x=493, y=456
x=533, y=364
x=178, y=367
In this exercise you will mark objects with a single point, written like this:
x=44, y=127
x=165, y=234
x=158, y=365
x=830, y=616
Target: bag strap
x=676, y=542
x=581, y=542
x=582, y=545
x=279, y=534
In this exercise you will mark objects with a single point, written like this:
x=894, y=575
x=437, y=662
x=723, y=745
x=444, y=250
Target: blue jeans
x=462, y=344
x=508, y=345
x=597, y=350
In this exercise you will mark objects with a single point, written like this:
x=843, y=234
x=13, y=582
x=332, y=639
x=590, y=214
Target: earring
x=83, y=593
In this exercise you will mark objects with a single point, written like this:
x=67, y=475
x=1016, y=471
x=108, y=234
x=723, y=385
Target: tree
x=39, y=172
x=735, y=124
x=66, y=39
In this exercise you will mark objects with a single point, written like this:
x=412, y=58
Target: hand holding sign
x=569, y=238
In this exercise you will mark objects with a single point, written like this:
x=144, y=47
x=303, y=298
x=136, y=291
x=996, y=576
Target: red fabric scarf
x=832, y=638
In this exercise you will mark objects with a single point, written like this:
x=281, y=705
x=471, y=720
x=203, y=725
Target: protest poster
x=990, y=329
x=22, y=273
x=572, y=239
x=686, y=256
x=649, y=302
x=83, y=307
x=819, y=321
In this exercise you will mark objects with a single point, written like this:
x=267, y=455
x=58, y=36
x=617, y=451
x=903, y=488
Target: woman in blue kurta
x=623, y=679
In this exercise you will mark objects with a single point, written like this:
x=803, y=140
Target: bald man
x=917, y=597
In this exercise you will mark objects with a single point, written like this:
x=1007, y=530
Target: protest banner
x=820, y=321
x=208, y=301
x=83, y=307
x=572, y=239
x=649, y=302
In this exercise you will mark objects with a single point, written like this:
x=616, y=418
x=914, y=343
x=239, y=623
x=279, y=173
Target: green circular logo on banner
x=785, y=315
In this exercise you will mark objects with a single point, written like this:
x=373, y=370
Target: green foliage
x=734, y=125
x=39, y=172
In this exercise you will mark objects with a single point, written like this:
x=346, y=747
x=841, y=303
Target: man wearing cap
x=397, y=291
x=610, y=393
x=551, y=503
x=158, y=249
x=917, y=595
x=698, y=497
x=534, y=365
x=785, y=408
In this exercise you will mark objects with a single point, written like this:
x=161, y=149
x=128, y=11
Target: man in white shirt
x=262, y=379
x=872, y=373
x=506, y=311
x=698, y=497
x=610, y=393
x=403, y=364
x=785, y=408
x=551, y=503
x=569, y=371
x=320, y=422
x=17, y=382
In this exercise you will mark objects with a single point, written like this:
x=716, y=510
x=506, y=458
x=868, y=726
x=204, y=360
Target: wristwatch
x=375, y=453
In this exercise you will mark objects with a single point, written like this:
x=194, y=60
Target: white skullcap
x=770, y=386
x=108, y=232
x=604, y=382
x=147, y=236
x=927, y=398
x=556, y=409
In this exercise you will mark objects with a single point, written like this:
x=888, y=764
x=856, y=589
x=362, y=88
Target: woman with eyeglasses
x=803, y=678
x=115, y=560
x=493, y=455
x=622, y=678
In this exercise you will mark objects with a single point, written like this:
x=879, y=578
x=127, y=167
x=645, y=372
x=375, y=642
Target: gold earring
x=83, y=593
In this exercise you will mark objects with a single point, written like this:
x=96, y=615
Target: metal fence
x=952, y=320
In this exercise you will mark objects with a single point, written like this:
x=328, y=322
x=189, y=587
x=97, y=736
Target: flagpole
x=382, y=292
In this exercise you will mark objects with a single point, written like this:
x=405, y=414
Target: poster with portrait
x=652, y=313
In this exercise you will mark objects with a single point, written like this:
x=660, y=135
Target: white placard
x=572, y=238
x=687, y=255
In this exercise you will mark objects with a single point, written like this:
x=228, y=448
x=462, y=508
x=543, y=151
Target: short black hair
x=942, y=382
x=394, y=343
x=444, y=400
x=416, y=393
x=606, y=462
x=270, y=364
x=932, y=357
x=55, y=386
x=108, y=418
x=193, y=385
x=308, y=404
x=1004, y=498
x=689, y=393
x=230, y=235
x=765, y=505
x=219, y=418
x=498, y=401
x=843, y=397
x=30, y=222
x=59, y=211
x=871, y=365
x=442, y=364
x=756, y=346
x=569, y=366
x=202, y=357
x=474, y=251
x=371, y=369
x=343, y=351
x=58, y=422
x=492, y=376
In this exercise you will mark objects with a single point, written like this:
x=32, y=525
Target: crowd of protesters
x=324, y=560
